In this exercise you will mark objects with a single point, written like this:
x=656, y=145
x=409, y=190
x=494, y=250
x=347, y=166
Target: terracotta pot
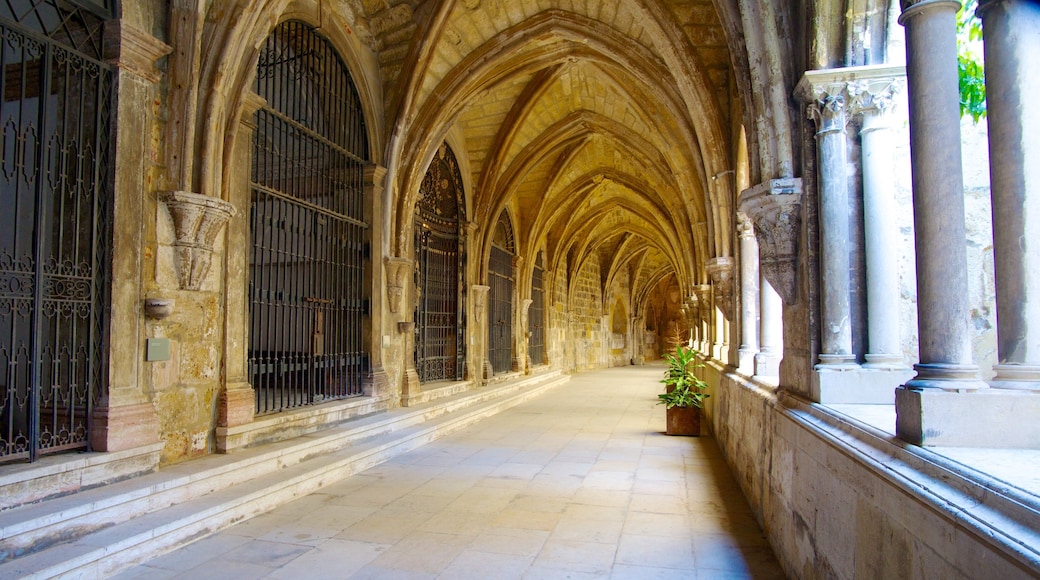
x=683, y=421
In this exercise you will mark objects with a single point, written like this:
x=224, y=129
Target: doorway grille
x=308, y=231
x=440, y=257
x=55, y=208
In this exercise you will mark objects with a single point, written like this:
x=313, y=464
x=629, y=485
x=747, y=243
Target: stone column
x=524, y=336
x=124, y=417
x=827, y=108
x=704, y=310
x=933, y=407
x=1011, y=31
x=935, y=136
x=481, y=364
x=771, y=331
x=376, y=383
x=748, y=295
x=874, y=100
x=637, y=328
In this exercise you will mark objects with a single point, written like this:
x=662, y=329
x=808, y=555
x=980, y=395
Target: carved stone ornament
x=703, y=292
x=397, y=272
x=721, y=271
x=197, y=219
x=775, y=207
x=480, y=299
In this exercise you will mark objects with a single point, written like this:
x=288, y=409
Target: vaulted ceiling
x=603, y=128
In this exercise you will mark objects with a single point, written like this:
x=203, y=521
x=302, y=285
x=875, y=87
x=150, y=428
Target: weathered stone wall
x=590, y=339
x=619, y=302
x=835, y=502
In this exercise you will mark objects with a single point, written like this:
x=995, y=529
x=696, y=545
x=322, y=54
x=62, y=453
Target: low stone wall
x=838, y=499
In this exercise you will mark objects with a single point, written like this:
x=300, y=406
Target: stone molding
x=197, y=219
x=133, y=50
x=861, y=88
x=775, y=207
x=480, y=297
x=720, y=269
x=397, y=270
x=745, y=227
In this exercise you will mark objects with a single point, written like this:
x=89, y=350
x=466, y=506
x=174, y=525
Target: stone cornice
x=720, y=269
x=817, y=85
x=133, y=50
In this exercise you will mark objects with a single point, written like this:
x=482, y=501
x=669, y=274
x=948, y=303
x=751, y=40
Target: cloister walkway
x=577, y=483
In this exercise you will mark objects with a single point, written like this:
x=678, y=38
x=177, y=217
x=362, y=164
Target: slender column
x=874, y=101
x=828, y=110
x=704, y=318
x=767, y=361
x=1011, y=31
x=748, y=294
x=942, y=271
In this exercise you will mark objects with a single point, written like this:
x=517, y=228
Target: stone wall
x=837, y=501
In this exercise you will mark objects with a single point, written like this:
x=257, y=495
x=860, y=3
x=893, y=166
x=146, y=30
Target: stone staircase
x=97, y=532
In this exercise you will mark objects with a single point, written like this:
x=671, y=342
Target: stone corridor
x=577, y=483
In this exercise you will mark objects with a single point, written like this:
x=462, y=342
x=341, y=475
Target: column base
x=767, y=365
x=1016, y=377
x=411, y=387
x=990, y=418
x=124, y=427
x=885, y=362
x=236, y=405
x=837, y=362
x=746, y=361
x=376, y=383
x=859, y=386
x=948, y=377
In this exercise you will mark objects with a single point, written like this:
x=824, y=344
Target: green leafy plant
x=684, y=388
x=970, y=71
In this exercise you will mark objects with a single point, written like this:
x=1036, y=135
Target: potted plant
x=684, y=393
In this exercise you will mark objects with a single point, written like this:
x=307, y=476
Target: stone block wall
x=837, y=501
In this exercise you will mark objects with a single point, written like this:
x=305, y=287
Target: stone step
x=103, y=530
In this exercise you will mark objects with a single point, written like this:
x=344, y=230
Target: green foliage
x=686, y=389
x=970, y=69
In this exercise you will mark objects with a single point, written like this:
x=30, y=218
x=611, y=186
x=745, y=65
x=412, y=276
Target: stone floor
x=577, y=483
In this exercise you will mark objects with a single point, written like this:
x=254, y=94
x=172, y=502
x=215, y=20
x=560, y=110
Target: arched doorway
x=501, y=280
x=307, y=224
x=439, y=261
x=55, y=230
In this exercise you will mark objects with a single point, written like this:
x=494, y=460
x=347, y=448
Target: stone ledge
x=858, y=386
x=997, y=514
x=291, y=424
x=998, y=418
x=425, y=395
x=64, y=474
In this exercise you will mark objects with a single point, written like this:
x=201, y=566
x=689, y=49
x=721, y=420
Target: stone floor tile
x=146, y=572
x=628, y=572
x=264, y=553
x=423, y=552
x=198, y=553
x=515, y=542
x=656, y=551
x=658, y=504
x=527, y=501
x=225, y=569
x=383, y=527
x=649, y=524
x=584, y=530
x=332, y=559
x=544, y=573
x=587, y=557
x=472, y=565
x=526, y=520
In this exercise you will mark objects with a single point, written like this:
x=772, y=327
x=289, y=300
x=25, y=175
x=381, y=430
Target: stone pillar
x=376, y=383
x=933, y=407
x=827, y=108
x=748, y=295
x=720, y=270
x=942, y=271
x=703, y=314
x=124, y=417
x=524, y=336
x=771, y=331
x=478, y=334
x=874, y=100
x=236, y=403
x=637, y=329
x=1011, y=31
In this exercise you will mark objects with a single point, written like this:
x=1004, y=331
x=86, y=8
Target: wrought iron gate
x=536, y=316
x=306, y=273
x=55, y=196
x=440, y=347
x=500, y=319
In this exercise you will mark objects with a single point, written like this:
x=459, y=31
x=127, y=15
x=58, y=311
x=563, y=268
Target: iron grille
x=307, y=265
x=536, y=317
x=440, y=257
x=55, y=196
x=500, y=321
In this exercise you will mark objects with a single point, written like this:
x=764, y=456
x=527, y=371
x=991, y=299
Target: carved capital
x=775, y=207
x=197, y=219
x=397, y=271
x=721, y=271
x=703, y=292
